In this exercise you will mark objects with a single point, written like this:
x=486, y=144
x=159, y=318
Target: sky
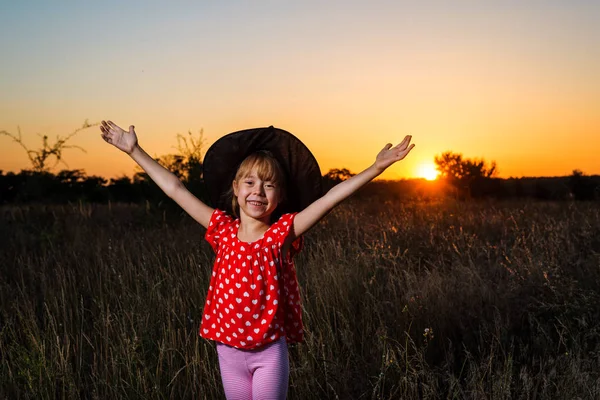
x=515, y=82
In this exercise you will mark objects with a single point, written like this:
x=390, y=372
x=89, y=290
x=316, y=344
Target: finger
x=131, y=129
x=108, y=129
x=114, y=126
x=404, y=142
x=409, y=149
x=387, y=146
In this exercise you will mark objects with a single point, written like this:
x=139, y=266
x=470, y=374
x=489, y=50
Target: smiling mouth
x=256, y=203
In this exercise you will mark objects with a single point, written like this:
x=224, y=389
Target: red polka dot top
x=253, y=298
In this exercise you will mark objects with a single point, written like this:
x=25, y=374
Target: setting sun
x=427, y=171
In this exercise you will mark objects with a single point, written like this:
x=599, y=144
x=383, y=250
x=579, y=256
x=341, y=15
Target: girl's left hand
x=389, y=155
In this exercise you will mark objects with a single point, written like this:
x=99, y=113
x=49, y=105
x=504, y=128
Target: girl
x=270, y=182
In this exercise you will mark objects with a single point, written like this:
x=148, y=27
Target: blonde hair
x=267, y=168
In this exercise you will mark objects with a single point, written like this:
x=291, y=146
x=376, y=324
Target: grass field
x=401, y=301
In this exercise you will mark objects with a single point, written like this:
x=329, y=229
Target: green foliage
x=412, y=300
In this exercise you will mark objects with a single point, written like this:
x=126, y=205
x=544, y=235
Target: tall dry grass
x=401, y=300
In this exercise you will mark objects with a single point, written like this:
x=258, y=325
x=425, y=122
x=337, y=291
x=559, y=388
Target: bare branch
x=40, y=157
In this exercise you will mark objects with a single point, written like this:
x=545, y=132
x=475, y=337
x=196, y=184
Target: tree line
x=460, y=177
x=29, y=186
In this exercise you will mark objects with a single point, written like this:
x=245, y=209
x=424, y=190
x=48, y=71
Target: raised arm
x=165, y=179
x=308, y=217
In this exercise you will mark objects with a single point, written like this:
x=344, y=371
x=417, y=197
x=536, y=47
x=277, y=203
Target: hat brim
x=303, y=175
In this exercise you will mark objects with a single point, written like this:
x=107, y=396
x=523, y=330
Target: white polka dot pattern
x=253, y=298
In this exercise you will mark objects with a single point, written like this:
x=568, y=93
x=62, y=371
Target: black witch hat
x=303, y=175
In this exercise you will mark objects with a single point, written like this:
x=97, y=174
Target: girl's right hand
x=122, y=140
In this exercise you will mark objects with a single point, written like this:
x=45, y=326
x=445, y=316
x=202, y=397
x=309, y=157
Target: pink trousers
x=260, y=374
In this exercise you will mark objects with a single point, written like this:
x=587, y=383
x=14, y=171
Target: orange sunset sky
x=517, y=82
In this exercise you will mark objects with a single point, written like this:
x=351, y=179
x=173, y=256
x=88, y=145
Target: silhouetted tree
x=94, y=189
x=45, y=187
x=466, y=175
x=34, y=186
x=186, y=164
x=41, y=185
x=335, y=176
x=582, y=187
x=542, y=190
x=40, y=158
x=9, y=187
x=125, y=190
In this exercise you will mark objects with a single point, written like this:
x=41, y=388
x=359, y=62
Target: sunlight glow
x=427, y=171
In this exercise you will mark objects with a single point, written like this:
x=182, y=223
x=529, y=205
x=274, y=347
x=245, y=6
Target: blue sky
x=512, y=81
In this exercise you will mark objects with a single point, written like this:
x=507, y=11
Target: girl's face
x=256, y=198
